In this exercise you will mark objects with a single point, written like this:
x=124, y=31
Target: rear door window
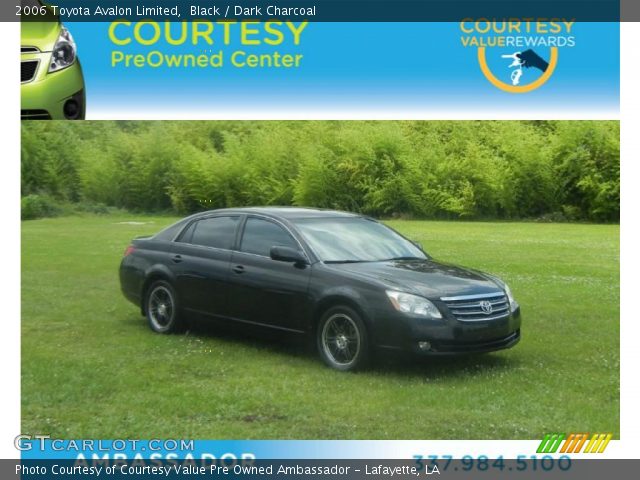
x=215, y=232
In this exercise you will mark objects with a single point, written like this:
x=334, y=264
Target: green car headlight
x=413, y=304
x=64, y=52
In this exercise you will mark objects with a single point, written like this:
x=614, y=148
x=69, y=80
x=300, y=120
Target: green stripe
x=550, y=443
x=543, y=443
x=556, y=445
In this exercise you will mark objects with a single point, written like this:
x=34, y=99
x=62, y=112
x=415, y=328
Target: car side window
x=260, y=235
x=217, y=232
x=185, y=236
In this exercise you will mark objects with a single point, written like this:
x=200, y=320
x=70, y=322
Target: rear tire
x=161, y=308
x=342, y=339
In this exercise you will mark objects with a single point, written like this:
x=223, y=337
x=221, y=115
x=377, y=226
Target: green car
x=52, y=84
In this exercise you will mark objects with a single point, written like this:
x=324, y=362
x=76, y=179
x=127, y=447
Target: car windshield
x=355, y=239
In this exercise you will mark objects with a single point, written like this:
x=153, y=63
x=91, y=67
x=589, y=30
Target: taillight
x=129, y=250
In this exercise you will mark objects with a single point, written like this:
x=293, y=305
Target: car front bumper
x=449, y=336
x=57, y=96
x=440, y=347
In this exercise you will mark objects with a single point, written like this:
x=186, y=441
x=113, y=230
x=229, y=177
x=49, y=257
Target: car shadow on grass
x=445, y=367
x=382, y=362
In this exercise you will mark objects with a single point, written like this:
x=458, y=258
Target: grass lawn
x=91, y=368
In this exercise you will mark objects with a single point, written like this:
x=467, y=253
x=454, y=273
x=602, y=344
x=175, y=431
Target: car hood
x=42, y=35
x=425, y=277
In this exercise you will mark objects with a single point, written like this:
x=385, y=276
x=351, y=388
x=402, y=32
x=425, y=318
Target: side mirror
x=288, y=254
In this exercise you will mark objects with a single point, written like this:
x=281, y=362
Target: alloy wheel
x=161, y=308
x=341, y=339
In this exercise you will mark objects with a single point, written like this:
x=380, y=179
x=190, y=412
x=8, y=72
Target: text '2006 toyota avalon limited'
x=350, y=281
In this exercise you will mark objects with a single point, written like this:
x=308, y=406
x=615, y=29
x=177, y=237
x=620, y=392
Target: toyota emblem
x=486, y=306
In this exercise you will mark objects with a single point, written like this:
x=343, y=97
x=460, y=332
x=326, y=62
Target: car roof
x=285, y=212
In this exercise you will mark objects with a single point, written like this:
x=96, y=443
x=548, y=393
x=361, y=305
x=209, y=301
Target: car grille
x=29, y=50
x=475, y=308
x=28, y=70
x=34, y=115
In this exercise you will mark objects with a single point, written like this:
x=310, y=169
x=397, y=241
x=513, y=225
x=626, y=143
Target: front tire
x=342, y=339
x=161, y=308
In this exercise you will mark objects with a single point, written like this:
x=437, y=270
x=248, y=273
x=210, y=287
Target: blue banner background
x=383, y=67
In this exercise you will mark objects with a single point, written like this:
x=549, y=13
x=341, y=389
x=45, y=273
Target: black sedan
x=348, y=280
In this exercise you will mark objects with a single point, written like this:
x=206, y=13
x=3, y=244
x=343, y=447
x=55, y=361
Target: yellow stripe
x=606, y=442
x=595, y=447
x=588, y=447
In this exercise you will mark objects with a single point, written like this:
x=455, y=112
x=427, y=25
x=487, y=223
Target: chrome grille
x=476, y=308
x=28, y=70
x=29, y=50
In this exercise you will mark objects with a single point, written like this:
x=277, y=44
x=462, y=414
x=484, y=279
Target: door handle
x=176, y=258
x=238, y=269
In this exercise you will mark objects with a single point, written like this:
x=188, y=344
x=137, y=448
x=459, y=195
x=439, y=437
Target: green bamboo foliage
x=565, y=170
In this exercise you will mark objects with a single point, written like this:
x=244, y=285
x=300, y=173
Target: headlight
x=512, y=301
x=407, y=303
x=64, y=52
